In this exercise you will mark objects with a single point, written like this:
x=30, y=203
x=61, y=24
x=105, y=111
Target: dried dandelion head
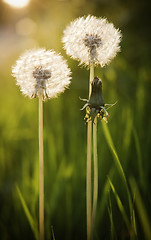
x=91, y=40
x=41, y=72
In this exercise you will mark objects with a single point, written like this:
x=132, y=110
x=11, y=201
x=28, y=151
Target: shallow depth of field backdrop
x=126, y=79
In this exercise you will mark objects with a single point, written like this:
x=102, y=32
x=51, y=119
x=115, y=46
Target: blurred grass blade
x=31, y=221
x=113, y=151
x=105, y=193
x=113, y=232
x=121, y=172
x=141, y=209
x=120, y=205
x=127, y=132
x=53, y=236
x=139, y=158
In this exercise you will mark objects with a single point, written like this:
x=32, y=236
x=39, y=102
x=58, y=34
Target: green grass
x=65, y=165
x=31, y=221
x=142, y=211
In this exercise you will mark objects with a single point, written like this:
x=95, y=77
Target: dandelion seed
x=41, y=72
x=91, y=40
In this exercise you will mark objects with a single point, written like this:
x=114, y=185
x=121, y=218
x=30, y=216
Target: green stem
x=95, y=186
x=88, y=178
x=41, y=171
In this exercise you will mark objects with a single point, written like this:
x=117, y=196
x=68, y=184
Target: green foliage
x=141, y=209
x=31, y=221
x=120, y=205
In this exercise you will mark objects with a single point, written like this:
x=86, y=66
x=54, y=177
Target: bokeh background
x=127, y=79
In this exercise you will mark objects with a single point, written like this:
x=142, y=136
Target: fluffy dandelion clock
x=41, y=72
x=91, y=40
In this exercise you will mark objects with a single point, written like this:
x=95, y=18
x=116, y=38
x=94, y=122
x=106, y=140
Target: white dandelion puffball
x=91, y=40
x=40, y=72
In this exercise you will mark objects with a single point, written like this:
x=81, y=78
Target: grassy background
x=126, y=79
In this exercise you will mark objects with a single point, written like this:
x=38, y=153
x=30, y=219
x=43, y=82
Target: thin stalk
x=41, y=171
x=88, y=178
x=95, y=184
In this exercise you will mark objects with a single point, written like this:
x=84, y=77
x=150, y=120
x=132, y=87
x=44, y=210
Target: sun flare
x=17, y=3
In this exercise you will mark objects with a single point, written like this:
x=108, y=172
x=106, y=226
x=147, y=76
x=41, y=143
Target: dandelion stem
x=41, y=171
x=88, y=179
x=95, y=184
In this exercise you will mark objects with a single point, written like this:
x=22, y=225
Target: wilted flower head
x=91, y=40
x=41, y=72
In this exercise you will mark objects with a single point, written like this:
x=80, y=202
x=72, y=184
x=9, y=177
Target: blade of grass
x=104, y=197
x=31, y=221
x=141, y=209
x=113, y=232
x=139, y=158
x=127, y=132
x=113, y=151
x=53, y=236
x=120, y=205
x=121, y=172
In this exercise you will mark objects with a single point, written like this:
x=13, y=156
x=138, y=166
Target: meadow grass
x=65, y=161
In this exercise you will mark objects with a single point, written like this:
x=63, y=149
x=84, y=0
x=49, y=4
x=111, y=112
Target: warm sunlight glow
x=17, y=3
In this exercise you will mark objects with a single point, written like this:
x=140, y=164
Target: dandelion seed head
x=40, y=72
x=92, y=40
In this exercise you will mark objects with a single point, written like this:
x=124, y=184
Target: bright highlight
x=17, y=3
